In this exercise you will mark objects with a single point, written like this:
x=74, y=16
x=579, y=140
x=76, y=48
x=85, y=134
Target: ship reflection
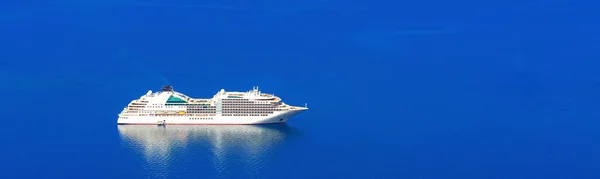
x=164, y=145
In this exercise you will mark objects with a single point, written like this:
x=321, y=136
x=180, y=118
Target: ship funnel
x=167, y=88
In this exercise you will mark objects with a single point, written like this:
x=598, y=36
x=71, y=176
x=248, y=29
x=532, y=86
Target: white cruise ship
x=170, y=107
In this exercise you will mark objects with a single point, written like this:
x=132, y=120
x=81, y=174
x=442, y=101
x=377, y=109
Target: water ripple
x=214, y=151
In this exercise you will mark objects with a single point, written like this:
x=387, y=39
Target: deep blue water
x=396, y=89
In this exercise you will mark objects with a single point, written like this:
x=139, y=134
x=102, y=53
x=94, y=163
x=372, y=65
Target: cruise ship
x=168, y=107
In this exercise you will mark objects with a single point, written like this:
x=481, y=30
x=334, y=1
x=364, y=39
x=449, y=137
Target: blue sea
x=396, y=89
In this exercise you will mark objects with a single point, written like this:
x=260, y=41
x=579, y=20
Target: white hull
x=168, y=107
x=280, y=117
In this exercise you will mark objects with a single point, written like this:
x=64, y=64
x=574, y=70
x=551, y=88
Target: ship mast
x=255, y=90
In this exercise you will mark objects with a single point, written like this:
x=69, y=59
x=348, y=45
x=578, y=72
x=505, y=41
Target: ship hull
x=207, y=120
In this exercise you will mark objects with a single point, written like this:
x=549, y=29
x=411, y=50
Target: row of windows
x=248, y=112
x=244, y=115
x=244, y=102
x=200, y=107
x=189, y=107
x=209, y=107
x=201, y=118
x=139, y=111
x=165, y=115
x=248, y=105
x=213, y=110
x=230, y=101
x=200, y=101
x=184, y=104
x=152, y=113
x=197, y=112
x=250, y=109
x=249, y=102
x=258, y=115
x=235, y=99
x=210, y=114
x=244, y=99
x=263, y=106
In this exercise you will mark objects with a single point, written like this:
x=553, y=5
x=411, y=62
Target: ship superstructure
x=170, y=107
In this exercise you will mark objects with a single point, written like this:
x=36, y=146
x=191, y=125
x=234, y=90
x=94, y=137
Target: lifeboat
x=181, y=112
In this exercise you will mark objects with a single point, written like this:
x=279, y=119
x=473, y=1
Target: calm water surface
x=396, y=89
x=210, y=151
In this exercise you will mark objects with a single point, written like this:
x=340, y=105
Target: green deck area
x=173, y=99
